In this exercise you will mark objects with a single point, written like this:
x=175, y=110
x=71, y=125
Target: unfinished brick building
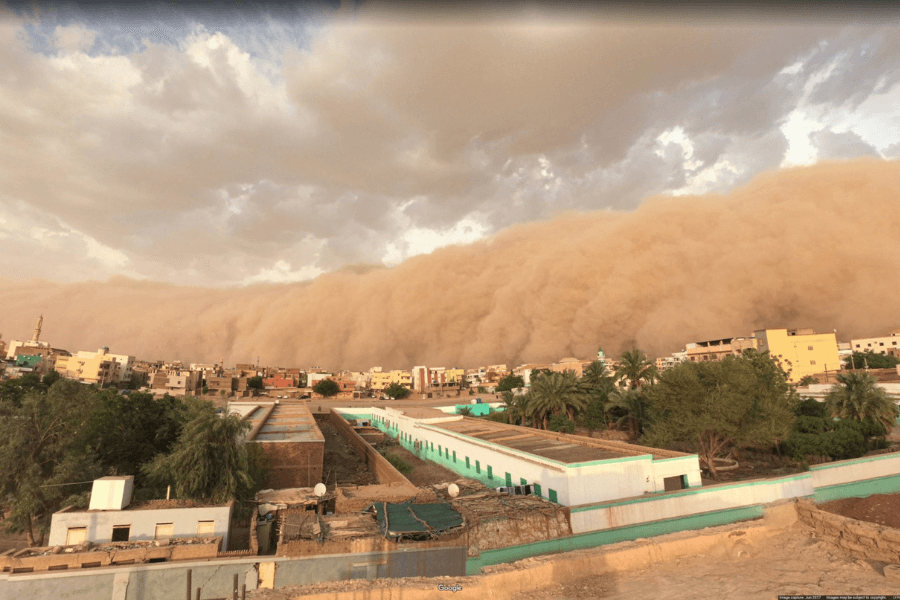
x=288, y=435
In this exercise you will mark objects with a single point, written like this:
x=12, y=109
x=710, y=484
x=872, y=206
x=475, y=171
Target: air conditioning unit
x=111, y=493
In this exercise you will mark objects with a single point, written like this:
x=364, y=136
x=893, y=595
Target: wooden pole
x=243, y=591
x=189, y=584
x=198, y=593
x=235, y=588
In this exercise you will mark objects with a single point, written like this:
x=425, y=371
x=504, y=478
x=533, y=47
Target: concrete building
x=570, y=364
x=568, y=470
x=176, y=382
x=16, y=347
x=718, y=349
x=667, y=362
x=879, y=345
x=113, y=518
x=382, y=379
x=288, y=435
x=96, y=367
x=800, y=352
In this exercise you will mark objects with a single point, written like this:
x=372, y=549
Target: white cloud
x=74, y=38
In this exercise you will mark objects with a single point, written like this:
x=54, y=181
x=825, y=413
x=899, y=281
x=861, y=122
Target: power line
x=60, y=484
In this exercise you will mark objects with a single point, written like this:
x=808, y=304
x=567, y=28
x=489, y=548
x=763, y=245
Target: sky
x=226, y=146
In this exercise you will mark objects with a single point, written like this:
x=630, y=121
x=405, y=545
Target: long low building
x=288, y=435
x=566, y=469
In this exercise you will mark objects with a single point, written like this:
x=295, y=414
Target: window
x=670, y=484
x=454, y=456
x=809, y=348
x=537, y=489
x=508, y=480
x=523, y=481
x=205, y=528
x=76, y=535
x=120, y=533
x=490, y=472
x=812, y=362
x=478, y=466
x=164, y=530
x=467, y=462
x=881, y=343
x=552, y=495
x=857, y=345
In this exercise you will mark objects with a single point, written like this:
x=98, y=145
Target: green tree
x=255, y=383
x=556, y=393
x=596, y=375
x=632, y=409
x=856, y=396
x=537, y=373
x=45, y=446
x=50, y=378
x=327, y=387
x=808, y=380
x=594, y=416
x=712, y=407
x=509, y=400
x=561, y=424
x=510, y=382
x=396, y=391
x=636, y=369
x=12, y=391
x=209, y=461
x=870, y=360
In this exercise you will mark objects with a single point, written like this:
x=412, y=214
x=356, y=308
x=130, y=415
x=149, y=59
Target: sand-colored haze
x=810, y=247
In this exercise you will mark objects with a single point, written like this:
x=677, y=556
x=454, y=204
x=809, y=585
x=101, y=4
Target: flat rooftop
x=282, y=422
x=528, y=440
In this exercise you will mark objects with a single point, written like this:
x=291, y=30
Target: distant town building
x=879, y=345
x=801, y=352
x=719, y=349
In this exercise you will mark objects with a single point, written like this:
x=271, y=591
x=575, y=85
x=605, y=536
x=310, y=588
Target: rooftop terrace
x=281, y=422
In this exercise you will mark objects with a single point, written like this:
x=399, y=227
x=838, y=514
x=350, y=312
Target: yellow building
x=381, y=380
x=97, y=368
x=800, y=352
x=454, y=375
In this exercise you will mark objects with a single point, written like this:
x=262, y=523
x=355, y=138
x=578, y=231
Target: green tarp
x=416, y=520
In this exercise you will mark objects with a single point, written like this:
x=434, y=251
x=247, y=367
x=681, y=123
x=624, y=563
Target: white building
x=565, y=469
x=879, y=345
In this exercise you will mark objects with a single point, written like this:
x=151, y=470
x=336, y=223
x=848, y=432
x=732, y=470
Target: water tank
x=111, y=493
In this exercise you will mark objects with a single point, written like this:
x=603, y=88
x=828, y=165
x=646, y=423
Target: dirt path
x=424, y=472
x=341, y=459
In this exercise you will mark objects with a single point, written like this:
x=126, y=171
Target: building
x=380, y=379
x=879, y=345
x=176, y=382
x=718, y=349
x=569, y=470
x=279, y=380
x=667, y=362
x=96, y=367
x=288, y=435
x=570, y=364
x=111, y=517
x=800, y=352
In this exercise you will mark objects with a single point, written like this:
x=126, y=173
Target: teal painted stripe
x=687, y=456
x=854, y=461
x=504, y=449
x=696, y=490
x=611, y=536
x=356, y=416
x=858, y=489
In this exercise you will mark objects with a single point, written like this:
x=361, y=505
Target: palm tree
x=595, y=374
x=509, y=400
x=635, y=368
x=636, y=409
x=555, y=393
x=856, y=397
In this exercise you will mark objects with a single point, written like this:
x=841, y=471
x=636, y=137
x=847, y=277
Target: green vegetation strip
x=611, y=536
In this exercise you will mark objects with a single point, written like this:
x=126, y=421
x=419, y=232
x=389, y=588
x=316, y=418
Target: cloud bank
x=804, y=247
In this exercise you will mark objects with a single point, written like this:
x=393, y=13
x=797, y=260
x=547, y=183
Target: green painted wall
x=477, y=410
x=858, y=489
x=610, y=536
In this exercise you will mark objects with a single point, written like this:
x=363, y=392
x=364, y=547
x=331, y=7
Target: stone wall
x=859, y=538
x=294, y=464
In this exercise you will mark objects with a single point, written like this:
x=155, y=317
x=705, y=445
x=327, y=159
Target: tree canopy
x=510, y=382
x=327, y=387
x=636, y=369
x=870, y=360
x=712, y=407
x=857, y=397
x=396, y=391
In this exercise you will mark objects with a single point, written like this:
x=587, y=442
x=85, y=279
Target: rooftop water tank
x=111, y=493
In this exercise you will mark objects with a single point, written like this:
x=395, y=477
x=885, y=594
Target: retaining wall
x=861, y=539
x=383, y=470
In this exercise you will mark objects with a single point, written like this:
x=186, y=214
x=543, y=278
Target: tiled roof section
x=287, y=422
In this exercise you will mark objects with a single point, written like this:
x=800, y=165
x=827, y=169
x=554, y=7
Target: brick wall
x=861, y=539
x=383, y=470
x=294, y=464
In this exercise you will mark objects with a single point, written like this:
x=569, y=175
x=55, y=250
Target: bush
x=561, y=424
x=399, y=464
x=805, y=424
x=810, y=408
x=497, y=417
x=845, y=443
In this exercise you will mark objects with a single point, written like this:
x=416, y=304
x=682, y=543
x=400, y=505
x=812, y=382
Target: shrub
x=805, y=424
x=561, y=424
x=399, y=464
x=810, y=408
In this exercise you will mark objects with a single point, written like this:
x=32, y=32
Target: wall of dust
x=803, y=247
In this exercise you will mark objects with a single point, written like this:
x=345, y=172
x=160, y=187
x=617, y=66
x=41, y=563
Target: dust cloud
x=806, y=247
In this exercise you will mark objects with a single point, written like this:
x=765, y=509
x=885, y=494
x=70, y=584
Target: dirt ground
x=424, y=472
x=883, y=509
x=341, y=461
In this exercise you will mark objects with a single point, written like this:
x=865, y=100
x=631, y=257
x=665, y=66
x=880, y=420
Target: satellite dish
x=319, y=489
x=453, y=490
